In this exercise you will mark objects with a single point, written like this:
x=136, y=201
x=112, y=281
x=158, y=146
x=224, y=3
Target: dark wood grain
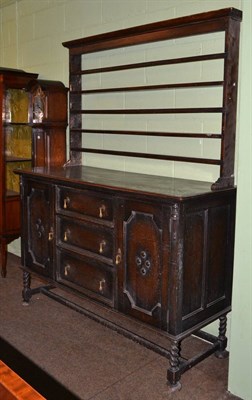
x=226, y=21
x=13, y=387
x=147, y=64
x=118, y=180
x=155, y=248
x=48, y=142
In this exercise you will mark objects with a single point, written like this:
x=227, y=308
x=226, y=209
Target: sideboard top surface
x=126, y=182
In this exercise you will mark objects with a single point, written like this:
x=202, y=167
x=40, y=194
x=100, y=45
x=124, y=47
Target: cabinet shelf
x=152, y=111
x=12, y=193
x=146, y=133
x=148, y=155
x=15, y=124
x=167, y=86
x=35, y=124
x=182, y=60
x=10, y=159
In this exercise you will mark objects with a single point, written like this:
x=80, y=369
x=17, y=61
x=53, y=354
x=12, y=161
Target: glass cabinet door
x=18, y=136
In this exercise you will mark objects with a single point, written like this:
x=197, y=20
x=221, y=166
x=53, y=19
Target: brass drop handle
x=102, y=246
x=101, y=285
x=118, y=257
x=50, y=235
x=102, y=210
x=66, y=269
x=66, y=202
x=66, y=234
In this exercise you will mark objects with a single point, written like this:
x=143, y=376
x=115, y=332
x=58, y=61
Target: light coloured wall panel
x=92, y=121
x=56, y=71
x=31, y=7
x=152, y=167
x=8, y=13
x=9, y=57
x=103, y=101
x=173, y=49
x=175, y=74
x=9, y=35
x=211, y=148
x=212, y=70
x=215, y=44
x=93, y=140
x=211, y=123
x=49, y=22
x=35, y=52
x=194, y=6
x=174, y=123
x=121, y=9
x=25, y=29
x=125, y=55
x=82, y=14
x=150, y=99
x=173, y=146
x=119, y=78
x=104, y=161
x=161, y=5
x=193, y=171
x=199, y=97
x=92, y=81
x=119, y=142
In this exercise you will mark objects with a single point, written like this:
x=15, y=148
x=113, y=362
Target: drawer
x=85, y=202
x=85, y=236
x=85, y=275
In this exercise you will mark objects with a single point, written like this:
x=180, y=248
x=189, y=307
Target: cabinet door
x=17, y=137
x=140, y=286
x=37, y=226
x=208, y=259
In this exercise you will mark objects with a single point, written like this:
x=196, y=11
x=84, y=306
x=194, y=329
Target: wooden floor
x=13, y=387
x=21, y=378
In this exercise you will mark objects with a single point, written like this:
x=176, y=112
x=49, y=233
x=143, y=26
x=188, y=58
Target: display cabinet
x=30, y=127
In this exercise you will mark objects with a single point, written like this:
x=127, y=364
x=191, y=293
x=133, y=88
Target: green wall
x=240, y=366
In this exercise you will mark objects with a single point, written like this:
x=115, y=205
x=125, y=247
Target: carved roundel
x=143, y=262
x=39, y=228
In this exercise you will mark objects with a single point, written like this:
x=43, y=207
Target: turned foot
x=3, y=258
x=26, y=293
x=174, y=372
x=222, y=339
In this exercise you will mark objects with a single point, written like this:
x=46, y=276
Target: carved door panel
x=142, y=263
x=38, y=228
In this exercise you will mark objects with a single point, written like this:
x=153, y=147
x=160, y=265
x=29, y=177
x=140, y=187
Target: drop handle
x=101, y=285
x=66, y=235
x=102, y=210
x=102, y=246
x=118, y=258
x=66, y=202
x=50, y=235
x=66, y=269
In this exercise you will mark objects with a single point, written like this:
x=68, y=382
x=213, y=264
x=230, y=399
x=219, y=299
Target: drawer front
x=86, y=276
x=85, y=202
x=84, y=236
